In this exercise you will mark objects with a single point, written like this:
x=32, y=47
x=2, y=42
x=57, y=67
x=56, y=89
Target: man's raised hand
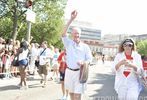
x=74, y=14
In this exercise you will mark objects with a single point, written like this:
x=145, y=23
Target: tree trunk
x=15, y=25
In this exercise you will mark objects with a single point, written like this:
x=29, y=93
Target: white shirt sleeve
x=66, y=41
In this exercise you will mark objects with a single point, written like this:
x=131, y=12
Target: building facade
x=139, y=37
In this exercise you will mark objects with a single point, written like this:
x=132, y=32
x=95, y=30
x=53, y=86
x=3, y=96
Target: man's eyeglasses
x=127, y=45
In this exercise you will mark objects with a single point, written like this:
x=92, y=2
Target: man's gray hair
x=77, y=29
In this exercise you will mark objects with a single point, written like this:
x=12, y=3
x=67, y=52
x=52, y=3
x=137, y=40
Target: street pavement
x=99, y=87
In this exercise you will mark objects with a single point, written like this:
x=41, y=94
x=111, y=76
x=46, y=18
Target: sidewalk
x=10, y=91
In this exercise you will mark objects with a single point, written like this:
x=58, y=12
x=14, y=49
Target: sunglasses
x=127, y=45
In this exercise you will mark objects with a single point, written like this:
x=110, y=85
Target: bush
x=142, y=47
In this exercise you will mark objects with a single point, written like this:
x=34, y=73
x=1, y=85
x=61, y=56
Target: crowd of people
x=8, y=49
x=11, y=52
x=22, y=58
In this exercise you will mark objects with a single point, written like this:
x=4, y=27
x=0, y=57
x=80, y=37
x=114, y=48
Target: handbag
x=36, y=63
x=143, y=79
x=84, y=71
x=15, y=61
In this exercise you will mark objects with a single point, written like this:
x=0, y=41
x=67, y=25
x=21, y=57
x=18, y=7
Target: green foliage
x=7, y=13
x=142, y=47
x=5, y=27
x=49, y=20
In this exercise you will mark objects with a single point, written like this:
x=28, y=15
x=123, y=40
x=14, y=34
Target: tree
x=142, y=47
x=12, y=10
x=49, y=20
x=5, y=27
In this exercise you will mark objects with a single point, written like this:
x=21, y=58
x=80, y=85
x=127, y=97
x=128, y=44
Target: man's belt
x=73, y=69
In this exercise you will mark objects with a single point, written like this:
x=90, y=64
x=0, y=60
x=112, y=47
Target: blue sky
x=112, y=16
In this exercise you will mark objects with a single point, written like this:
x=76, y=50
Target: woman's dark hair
x=6, y=51
x=8, y=41
x=24, y=45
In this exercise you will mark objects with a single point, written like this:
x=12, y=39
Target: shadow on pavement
x=143, y=94
x=9, y=87
x=107, y=89
x=33, y=79
x=35, y=85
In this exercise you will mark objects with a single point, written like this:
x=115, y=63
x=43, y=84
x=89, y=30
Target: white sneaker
x=44, y=85
x=64, y=98
x=23, y=87
x=19, y=85
x=55, y=78
x=26, y=87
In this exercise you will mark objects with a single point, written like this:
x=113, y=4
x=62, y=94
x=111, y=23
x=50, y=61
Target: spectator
x=33, y=58
x=103, y=58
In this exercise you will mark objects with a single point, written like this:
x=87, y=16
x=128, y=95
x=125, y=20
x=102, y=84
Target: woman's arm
x=120, y=63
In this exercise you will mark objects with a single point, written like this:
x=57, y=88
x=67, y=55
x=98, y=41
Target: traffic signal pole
x=28, y=31
x=29, y=5
x=15, y=24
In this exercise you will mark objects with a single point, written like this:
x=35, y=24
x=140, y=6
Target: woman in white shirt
x=127, y=65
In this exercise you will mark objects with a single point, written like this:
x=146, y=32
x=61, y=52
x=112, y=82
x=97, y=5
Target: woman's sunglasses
x=127, y=45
